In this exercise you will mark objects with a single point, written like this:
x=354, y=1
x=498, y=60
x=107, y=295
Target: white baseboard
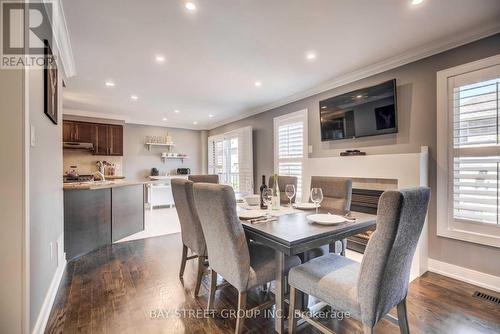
x=43, y=316
x=478, y=278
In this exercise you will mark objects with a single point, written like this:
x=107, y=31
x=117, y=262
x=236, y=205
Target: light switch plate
x=32, y=136
x=310, y=149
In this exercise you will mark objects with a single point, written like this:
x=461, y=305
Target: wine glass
x=316, y=197
x=267, y=197
x=290, y=192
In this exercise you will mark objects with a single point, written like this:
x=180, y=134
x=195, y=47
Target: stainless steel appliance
x=183, y=171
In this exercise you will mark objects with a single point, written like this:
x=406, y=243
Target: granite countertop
x=95, y=185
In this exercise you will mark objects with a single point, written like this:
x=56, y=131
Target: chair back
x=226, y=241
x=282, y=182
x=213, y=178
x=385, y=269
x=191, y=231
x=337, y=192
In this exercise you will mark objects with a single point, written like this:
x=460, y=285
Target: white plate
x=305, y=206
x=324, y=219
x=251, y=214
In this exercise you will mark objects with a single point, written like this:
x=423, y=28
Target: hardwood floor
x=133, y=287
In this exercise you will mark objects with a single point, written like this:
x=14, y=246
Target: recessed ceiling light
x=109, y=83
x=195, y=122
x=258, y=83
x=134, y=97
x=160, y=59
x=323, y=107
x=190, y=6
x=210, y=115
x=359, y=96
x=416, y=2
x=310, y=56
x=176, y=111
x=164, y=119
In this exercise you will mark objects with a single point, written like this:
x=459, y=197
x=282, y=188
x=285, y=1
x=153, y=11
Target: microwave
x=183, y=171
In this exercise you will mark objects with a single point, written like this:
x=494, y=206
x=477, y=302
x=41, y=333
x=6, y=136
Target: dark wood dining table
x=291, y=234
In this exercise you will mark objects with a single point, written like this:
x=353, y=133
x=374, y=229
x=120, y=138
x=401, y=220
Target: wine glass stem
x=316, y=208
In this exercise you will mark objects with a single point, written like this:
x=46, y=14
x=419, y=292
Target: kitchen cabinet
x=115, y=140
x=77, y=132
x=100, y=139
x=106, y=138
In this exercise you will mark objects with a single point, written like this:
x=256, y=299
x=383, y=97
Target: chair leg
x=242, y=303
x=403, y=317
x=213, y=287
x=199, y=276
x=183, y=261
x=368, y=330
x=292, y=319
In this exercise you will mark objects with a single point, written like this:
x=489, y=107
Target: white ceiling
x=215, y=54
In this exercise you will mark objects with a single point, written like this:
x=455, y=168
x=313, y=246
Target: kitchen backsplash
x=86, y=162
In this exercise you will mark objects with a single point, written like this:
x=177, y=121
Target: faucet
x=101, y=176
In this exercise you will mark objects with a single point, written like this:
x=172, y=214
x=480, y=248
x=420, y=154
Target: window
x=469, y=152
x=290, y=146
x=230, y=156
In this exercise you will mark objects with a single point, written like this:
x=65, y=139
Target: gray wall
x=138, y=161
x=46, y=195
x=11, y=200
x=417, y=127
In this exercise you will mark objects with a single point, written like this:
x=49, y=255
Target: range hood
x=78, y=146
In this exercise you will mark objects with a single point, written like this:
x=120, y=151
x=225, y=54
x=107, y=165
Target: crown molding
x=61, y=39
x=373, y=69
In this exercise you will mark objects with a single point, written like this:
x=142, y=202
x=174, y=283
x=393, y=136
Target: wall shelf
x=173, y=158
x=149, y=145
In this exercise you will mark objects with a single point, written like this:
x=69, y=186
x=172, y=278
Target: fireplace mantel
x=404, y=170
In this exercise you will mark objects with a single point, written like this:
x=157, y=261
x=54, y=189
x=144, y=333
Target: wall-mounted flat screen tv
x=364, y=112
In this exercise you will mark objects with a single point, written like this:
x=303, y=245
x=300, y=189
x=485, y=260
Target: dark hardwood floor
x=133, y=287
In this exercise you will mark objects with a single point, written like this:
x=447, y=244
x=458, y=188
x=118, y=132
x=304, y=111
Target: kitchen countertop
x=95, y=185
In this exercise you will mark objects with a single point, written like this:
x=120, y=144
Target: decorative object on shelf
x=348, y=153
x=155, y=172
x=50, y=84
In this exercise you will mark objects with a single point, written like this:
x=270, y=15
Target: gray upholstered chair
x=242, y=265
x=337, y=194
x=211, y=178
x=368, y=291
x=282, y=182
x=191, y=231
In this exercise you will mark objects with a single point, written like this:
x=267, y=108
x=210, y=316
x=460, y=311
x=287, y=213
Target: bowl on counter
x=252, y=199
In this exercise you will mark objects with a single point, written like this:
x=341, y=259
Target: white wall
x=138, y=161
x=46, y=196
x=12, y=206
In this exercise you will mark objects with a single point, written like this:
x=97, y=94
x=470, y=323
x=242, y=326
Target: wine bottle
x=262, y=188
x=276, y=194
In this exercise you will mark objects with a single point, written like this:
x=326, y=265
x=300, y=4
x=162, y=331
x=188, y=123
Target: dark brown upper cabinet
x=101, y=146
x=77, y=132
x=106, y=138
x=115, y=140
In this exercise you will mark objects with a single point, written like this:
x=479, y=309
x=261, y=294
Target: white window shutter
x=475, y=153
x=290, y=143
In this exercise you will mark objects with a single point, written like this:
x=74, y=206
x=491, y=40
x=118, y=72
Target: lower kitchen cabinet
x=87, y=221
x=94, y=218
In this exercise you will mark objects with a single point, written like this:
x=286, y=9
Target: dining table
x=290, y=232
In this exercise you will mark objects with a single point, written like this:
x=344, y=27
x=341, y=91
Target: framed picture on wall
x=50, y=84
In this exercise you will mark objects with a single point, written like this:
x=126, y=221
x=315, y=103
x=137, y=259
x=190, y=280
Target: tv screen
x=365, y=112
